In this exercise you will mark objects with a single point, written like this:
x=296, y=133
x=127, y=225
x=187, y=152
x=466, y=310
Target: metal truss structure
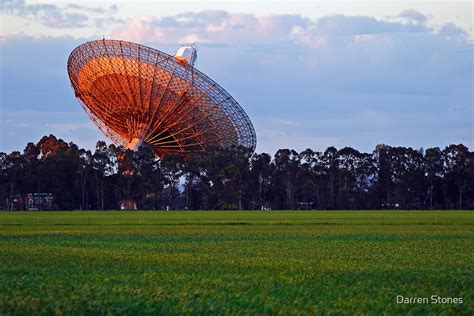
x=136, y=94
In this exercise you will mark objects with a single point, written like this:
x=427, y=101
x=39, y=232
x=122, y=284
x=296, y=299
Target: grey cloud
x=193, y=19
x=105, y=22
x=354, y=25
x=219, y=26
x=111, y=9
x=211, y=16
x=56, y=19
x=288, y=21
x=452, y=31
x=413, y=15
x=211, y=26
x=51, y=15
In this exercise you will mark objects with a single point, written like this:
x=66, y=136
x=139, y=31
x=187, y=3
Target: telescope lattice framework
x=136, y=94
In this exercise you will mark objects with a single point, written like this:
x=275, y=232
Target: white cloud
x=212, y=26
x=190, y=38
x=139, y=29
x=308, y=38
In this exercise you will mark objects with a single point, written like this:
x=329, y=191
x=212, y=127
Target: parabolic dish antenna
x=137, y=94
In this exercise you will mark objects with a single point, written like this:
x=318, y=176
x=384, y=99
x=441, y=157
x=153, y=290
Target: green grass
x=246, y=262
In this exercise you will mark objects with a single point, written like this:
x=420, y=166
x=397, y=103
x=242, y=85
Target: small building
x=31, y=202
x=128, y=204
x=305, y=205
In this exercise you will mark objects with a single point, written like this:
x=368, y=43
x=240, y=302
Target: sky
x=309, y=74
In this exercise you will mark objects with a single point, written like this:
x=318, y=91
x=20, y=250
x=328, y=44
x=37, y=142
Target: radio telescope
x=137, y=94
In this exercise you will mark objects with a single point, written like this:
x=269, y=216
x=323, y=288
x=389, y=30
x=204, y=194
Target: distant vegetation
x=387, y=178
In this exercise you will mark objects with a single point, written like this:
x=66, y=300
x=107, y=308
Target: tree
x=261, y=171
x=312, y=174
x=150, y=178
x=232, y=178
x=384, y=178
x=330, y=161
x=458, y=166
x=287, y=172
x=349, y=161
x=172, y=167
x=434, y=172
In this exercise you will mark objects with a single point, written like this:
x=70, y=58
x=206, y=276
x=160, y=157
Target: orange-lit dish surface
x=137, y=94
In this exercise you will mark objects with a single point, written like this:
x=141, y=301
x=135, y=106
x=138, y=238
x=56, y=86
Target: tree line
x=234, y=178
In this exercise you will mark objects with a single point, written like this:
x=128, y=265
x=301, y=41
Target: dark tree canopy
x=232, y=178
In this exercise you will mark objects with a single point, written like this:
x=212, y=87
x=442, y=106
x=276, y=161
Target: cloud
x=47, y=14
x=450, y=31
x=354, y=25
x=140, y=29
x=61, y=17
x=106, y=22
x=308, y=37
x=190, y=19
x=211, y=26
x=112, y=9
x=338, y=80
x=413, y=15
x=217, y=26
x=190, y=38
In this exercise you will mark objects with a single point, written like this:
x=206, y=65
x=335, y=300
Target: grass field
x=278, y=262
